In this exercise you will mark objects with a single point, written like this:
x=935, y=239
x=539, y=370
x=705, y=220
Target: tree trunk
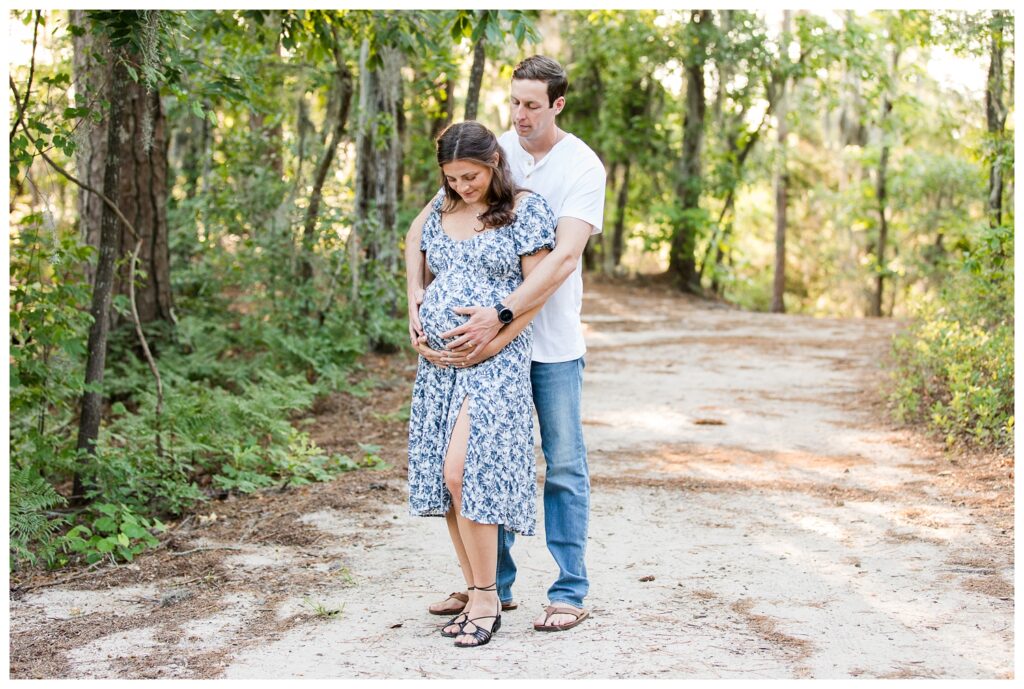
x=365, y=171
x=995, y=116
x=196, y=145
x=142, y=191
x=271, y=137
x=725, y=73
x=881, y=193
x=342, y=92
x=781, y=180
x=109, y=250
x=619, y=230
x=447, y=111
x=682, y=265
x=374, y=236
x=303, y=126
x=476, y=75
x=590, y=258
x=883, y=231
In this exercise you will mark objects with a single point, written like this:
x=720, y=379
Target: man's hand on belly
x=476, y=333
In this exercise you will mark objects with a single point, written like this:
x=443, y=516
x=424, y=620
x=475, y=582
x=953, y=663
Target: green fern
x=31, y=497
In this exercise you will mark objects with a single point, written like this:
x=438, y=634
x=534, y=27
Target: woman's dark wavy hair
x=475, y=143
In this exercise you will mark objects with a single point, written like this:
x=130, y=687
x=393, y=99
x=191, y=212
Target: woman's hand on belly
x=433, y=356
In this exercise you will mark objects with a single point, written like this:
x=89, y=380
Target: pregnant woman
x=471, y=427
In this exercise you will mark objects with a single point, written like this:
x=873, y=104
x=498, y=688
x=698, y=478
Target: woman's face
x=469, y=179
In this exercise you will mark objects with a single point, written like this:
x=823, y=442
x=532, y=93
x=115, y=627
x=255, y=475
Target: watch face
x=505, y=315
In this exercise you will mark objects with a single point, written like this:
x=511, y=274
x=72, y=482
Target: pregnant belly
x=436, y=316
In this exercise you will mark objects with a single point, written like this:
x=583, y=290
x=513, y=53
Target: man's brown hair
x=541, y=68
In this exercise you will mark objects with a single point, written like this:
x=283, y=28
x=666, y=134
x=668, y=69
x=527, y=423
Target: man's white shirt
x=571, y=179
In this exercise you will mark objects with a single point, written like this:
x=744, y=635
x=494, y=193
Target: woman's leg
x=479, y=541
x=454, y=463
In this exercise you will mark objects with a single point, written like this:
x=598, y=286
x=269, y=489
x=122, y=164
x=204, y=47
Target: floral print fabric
x=499, y=482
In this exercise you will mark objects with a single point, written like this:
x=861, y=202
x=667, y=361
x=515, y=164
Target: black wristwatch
x=505, y=314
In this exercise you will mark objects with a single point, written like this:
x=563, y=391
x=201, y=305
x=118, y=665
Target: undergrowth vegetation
x=955, y=362
x=235, y=373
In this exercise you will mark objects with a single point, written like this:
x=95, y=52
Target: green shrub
x=955, y=363
x=116, y=530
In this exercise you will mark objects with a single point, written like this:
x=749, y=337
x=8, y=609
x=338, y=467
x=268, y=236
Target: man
x=568, y=174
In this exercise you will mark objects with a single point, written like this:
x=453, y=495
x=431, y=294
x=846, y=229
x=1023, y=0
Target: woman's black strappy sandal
x=481, y=635
x=455, y=620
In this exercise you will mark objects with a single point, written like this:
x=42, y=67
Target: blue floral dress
x=499, y=484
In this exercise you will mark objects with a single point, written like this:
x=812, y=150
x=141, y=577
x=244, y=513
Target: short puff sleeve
x=534, y=225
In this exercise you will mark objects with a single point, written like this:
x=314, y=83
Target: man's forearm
x=541, y=283
x=571, y=238
x=414, y=264
x=415, y=259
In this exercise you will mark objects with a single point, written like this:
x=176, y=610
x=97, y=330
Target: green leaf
x=520, y=32
x=123, y=540
x=134, y=531
x=105, y=524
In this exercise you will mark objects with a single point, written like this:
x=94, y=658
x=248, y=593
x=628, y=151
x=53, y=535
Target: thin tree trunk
x=619, y=231
x=995, y=116
x=476, y=75
x=682, y=264
x=881, y=193
x=590, y=255
x=883, y=232
x=272, y=137
x=781, y=182
x=343, y=93
x=447, y=112
x=719, y=254
x=374, y=235
x=365, y=170
x=303, y=127
x=197, y=141
x=103, y=288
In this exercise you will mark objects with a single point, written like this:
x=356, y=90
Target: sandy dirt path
x=753, y=516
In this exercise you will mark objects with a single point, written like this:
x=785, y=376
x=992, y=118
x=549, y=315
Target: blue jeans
x=557, y=390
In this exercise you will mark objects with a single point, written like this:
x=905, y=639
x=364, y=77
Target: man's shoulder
x=507, y=138
x=582, y=155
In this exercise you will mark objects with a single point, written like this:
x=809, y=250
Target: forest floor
x=754, y=515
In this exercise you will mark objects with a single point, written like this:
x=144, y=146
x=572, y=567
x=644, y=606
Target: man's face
x=532, y=116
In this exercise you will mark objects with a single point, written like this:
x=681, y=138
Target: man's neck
x=539, y=149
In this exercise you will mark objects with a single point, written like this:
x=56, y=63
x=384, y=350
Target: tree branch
x=31, y=71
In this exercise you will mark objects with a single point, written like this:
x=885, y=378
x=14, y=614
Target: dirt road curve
x=753, y=516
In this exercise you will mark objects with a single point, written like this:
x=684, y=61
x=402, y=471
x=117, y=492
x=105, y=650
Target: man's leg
x=506, y=567
x=557, y=390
